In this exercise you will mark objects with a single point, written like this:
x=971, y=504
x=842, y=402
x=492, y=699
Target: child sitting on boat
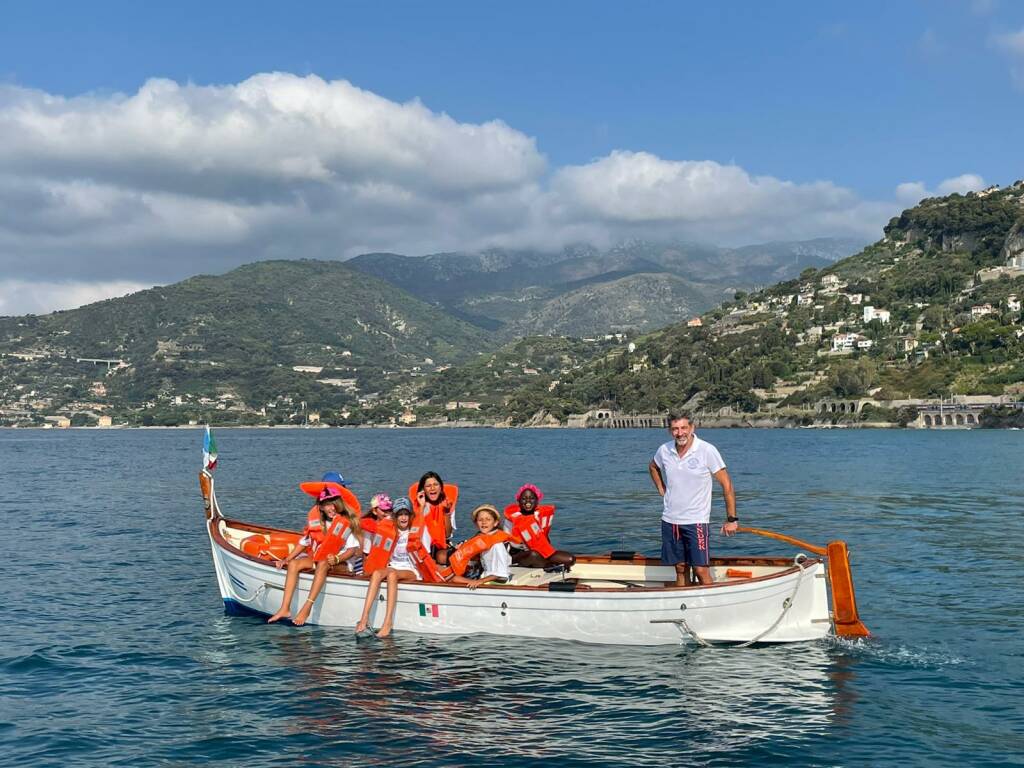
x=332, y=536
x=530, y=524
x=397, y=553
x=435, y=501
x=380, y=509
x=490, y=546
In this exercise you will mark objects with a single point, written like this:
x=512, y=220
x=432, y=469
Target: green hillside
x=234, y=339
x=941, y=282
x=640, y=285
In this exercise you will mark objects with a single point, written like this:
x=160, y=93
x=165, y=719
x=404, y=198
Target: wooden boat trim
x=218, y=537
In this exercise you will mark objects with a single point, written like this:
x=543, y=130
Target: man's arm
x=722, y=476
x=656, y=478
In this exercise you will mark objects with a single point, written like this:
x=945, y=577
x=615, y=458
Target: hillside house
x=1013, y=303
x=843, y=342
x=870, y=313
x=694, y=322
x=981, y=310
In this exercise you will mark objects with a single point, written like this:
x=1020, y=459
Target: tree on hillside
x=850, y=378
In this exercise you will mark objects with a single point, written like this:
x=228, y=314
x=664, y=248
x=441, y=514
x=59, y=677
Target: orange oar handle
x=845, y=616
x=785, y=538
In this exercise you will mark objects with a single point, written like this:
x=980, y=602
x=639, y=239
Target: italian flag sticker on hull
x=430, y=610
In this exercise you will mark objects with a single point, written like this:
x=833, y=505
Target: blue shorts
x=685, y=544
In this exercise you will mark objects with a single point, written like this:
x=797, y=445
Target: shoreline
x=720, y=423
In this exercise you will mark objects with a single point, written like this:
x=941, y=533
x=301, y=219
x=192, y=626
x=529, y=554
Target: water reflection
x=500, y=700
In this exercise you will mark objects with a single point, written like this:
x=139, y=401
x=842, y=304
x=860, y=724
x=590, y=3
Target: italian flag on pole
x=209, y=450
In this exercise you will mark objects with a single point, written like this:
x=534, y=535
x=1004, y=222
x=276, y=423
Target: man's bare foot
x=282, y=614
x=360, y=627
x=384, y=631
x=303, y=614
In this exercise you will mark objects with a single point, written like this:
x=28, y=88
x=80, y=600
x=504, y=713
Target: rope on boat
x=262, y=588
x=798, y=561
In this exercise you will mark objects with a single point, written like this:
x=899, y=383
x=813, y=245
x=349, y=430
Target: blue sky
x=839, y=102
x=867, y=94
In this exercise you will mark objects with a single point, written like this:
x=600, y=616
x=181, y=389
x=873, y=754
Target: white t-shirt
x=496, y=561
x=688, y=481
x=400, y=559
x=507, y=528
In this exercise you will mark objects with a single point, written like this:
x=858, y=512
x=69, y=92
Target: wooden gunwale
x=218, y=537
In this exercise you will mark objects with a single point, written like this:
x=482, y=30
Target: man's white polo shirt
x=688, y=481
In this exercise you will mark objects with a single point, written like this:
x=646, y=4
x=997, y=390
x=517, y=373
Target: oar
x=785, y=538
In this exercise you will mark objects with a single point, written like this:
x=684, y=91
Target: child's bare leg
x=371, y=594
x=290, y=582
x=319, y=577
x=389, y=615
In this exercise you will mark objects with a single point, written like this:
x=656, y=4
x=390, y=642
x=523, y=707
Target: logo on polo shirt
x=692, y=462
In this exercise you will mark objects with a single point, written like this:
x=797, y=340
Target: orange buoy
x=276, y=546
x=255, y=544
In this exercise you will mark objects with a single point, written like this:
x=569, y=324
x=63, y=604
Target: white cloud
x=20, y=297
x=968, y=182
x=1010, y=42
x=113, y=192
x=912, y=192
x=1012, y=45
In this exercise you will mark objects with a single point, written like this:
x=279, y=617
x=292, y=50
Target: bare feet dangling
x=303, y=614
x=282, y=614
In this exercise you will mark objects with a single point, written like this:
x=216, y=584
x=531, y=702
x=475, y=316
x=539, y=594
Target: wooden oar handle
x=785, y=538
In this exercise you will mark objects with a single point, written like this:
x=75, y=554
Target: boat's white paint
x=737, y=611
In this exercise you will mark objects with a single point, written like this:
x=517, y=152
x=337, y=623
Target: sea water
x=116, y=651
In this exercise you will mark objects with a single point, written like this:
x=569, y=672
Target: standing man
x=681, y=470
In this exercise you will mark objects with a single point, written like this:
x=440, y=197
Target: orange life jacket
x=333, y=540
x=382, y=542
x=459, y=560
x=314, y=528
x=532, y=529
x=434, y=515
x=420, y=555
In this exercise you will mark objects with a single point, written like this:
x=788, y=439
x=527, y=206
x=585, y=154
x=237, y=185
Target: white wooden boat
x=620, y=598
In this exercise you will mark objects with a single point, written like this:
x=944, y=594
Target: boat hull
x=789, y=606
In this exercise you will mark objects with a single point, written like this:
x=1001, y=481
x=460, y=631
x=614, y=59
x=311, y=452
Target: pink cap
x=381, y=501
x=529, y=487
x=329, y=492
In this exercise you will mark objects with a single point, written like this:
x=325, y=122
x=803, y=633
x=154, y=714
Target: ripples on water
x=118, y=653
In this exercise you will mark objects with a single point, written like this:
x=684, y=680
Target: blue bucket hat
x=399, y=504
x=336, y=478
